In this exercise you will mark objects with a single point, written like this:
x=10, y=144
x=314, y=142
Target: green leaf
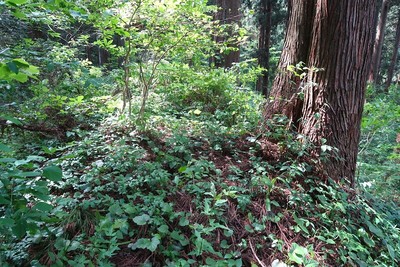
x=7, y=222
x=21, y=77
x=17, y=2
x=19, y=230
x=18, y=14
x=12, y=119
x=163, y=229
x=378, y=232
x=31, y=70
x=20, y=62
x=4, y=72
x=391, y=252
x=197, y=112
x=297, y=253
x=4, y=201
x=330, y=241
x=29, y=174
x=42, y=206
x=12, y=66
x=53, y=173
x=142, y=219
x=5, y=148
x=116, y=209
x=146, y=243
x=182, y=169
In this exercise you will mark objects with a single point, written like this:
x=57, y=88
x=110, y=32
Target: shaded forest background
x=138, y=133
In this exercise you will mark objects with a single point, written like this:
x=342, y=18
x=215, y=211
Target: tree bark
x=340, y=42
x=377, y=53
x=263, y=45
x=393, y=61
x=229, y=13
x=341, y=45
x=295, y=50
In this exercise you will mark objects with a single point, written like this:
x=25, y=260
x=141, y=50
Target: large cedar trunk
x=393, y=61
x=263, y=44
x=377, y=53
x=340, y=42
x=295, y=50
x=229, y=14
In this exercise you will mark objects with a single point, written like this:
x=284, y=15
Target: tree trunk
x=263, y=45
x=295, y=49
x=228, y=14
x=393, y=61
x=377, y=53
x=341, y=44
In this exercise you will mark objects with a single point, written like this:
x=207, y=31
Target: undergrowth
x=186, y=190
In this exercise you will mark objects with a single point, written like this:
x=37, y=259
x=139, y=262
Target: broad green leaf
x=42, y=206
x=18, y=14
x=4, y=72
x=19, y=230
x=5, y=148
x=7, y=222
x=53, y=173
x=13, y=66
x=330, y=241
x=32, y=70
x=142, y=219
x=20, y=62
x=146, y=243
x=163, y=229
x=297, y=253
x=30, y=174
x=4, y=201
x=116, y=209
x=378, y=232
x=182, y=169
x=7, y=160
x=21, y=77
x=12, y=119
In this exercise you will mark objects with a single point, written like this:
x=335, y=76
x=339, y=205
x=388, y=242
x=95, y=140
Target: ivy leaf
x=297, y=253
x=146, y=243
x=163, y=229
x=142, y=219
x=53, y=173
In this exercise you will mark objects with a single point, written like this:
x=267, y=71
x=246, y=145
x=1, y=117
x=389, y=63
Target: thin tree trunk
x=377, y=53
x=229, y=13
x=295, y=50
x=263, y=45
x=393, y=61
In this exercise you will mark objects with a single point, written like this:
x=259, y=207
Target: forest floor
x=184, y=196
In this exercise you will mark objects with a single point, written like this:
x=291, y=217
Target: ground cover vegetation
x=133, y=133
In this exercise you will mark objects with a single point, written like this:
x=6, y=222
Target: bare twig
x=255, y=255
